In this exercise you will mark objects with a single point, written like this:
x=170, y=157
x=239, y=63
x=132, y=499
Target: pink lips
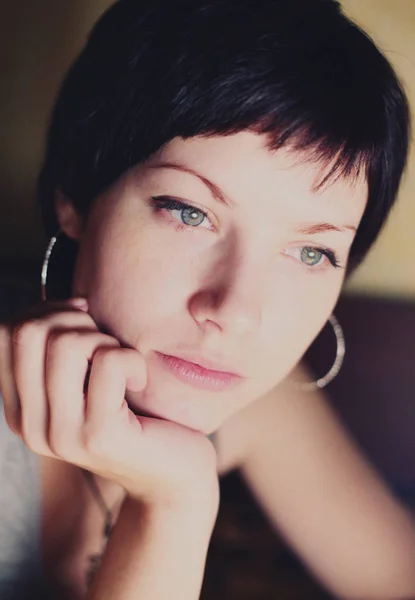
x=198, y=376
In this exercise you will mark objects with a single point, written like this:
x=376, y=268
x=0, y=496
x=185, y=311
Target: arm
x=155, y=553
x=326, y=500
x=167, y=470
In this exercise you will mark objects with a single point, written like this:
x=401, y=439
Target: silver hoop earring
x=341, y=351
x=45, y=265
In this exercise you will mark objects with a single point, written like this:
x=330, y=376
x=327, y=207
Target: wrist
x=195, y=509
x=150, y=539
x=198, y=496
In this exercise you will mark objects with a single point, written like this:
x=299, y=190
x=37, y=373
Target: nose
x=232, y=302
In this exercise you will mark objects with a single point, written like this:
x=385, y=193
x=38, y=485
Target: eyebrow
x=314, y=228
x=214, y=189
x=217, y=193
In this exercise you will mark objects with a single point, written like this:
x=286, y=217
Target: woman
x=220, y=167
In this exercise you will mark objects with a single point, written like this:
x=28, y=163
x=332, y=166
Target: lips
x=205, y=363
x=197, y=375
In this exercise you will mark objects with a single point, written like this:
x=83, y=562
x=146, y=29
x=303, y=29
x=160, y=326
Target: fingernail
x=81, y=303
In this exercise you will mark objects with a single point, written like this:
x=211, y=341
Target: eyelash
x=161, y=203
x=331, y=255
x=166, y=203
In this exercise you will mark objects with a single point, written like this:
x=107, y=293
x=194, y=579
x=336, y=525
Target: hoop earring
x=45, y=265
x=341, y=351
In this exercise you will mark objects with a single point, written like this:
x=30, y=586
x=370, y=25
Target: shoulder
x=284, y=418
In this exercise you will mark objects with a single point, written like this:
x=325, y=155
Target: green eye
x=188, y=215
x=191, y=216
x=311, y=256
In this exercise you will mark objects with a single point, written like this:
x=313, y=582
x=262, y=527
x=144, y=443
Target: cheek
x=136, y=285
x=297, y=316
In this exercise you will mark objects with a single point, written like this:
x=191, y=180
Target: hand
x=45, y=362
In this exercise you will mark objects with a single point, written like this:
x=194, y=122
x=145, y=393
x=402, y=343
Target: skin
x=228, y=288
x=236, y=289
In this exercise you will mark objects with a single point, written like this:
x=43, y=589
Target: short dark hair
x=297, y=70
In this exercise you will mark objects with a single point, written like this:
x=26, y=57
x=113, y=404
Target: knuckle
x=57, y=340
x=25, y=332
x=104, y=357
x=59, y=443
x=34, y=442
x=61, y=341
x=63, y=441
x=75, y=318
x=93, y=440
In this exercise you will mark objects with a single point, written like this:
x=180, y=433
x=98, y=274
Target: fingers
x=83, y=423
x=28, y=342
x=10, y=335
x=112, y=372
x=68, y=359
x=44, y=364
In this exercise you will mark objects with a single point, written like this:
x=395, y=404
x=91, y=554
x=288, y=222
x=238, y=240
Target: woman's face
x=242, y=279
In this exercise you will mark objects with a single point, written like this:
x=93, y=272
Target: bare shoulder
x=311, y=479
x=285, y=419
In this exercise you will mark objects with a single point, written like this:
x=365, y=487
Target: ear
x=70, y=221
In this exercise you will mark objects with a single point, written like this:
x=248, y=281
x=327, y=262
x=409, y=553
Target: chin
x=146, y=405
x=167, y=398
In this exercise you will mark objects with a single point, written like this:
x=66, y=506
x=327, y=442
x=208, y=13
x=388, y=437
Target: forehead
x=244, y=167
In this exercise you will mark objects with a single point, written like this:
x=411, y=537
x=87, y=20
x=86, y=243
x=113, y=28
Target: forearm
x=154, y=554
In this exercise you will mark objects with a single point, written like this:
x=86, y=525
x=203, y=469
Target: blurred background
x=375, y=393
